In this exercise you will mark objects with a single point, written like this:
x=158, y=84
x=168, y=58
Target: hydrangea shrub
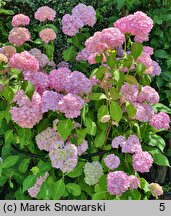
x=74, y=134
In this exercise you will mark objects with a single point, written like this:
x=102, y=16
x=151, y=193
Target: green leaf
x=162, y=54
x=28, y=88
x=29, y=182
x=157, y=141
x=115, y=111
x=77, y=171
x=134, y=194
x=140, y=68
x=161, y=108
x=8, y=93
x=160, y=159
x=10, y=161
x=45, y=192
x=49, y=50
x=136, y=50
x=111, y=61
x=131, y=110
x=131, y=79
x=24, y=136
x=144, y=185
x=9, y=137
x=97, y=96
x=44, y=166
x=103, y=110
x=38, y=41
x=23, y=166
x=91, y=126
x=58, y=189
x=69, y=54
x=100, y=138
x=52, y=27
x=6, y=12
x=99, y=195
x=100, y=72
x=114, y=94
x=65, y=127
x=74, y=189
x=99, y=58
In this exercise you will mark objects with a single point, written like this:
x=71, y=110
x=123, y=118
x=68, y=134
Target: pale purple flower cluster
x=83, y=55
x=118, y=141
x=142, y=161
x=38, y=79
x=50, y=100
x=64, y=158
x=42, y=58
x=47, y=137
x=118, y=182
x=33, y=191
x=93, y=172
x=144, y=112
x=24, y=61
x=19, y=35
x=129, y=92
x=112, y=161
x=20, y=20
x=47, y=35
x=27, y=113
x=156, y=69
x=134, y=182
x=149, y=95
x=132, y=145
x=63, y=64
x=45, y=13
x=81, y=15
x=81, y=148
x=160, y=120
x=71, y=105
x=138, y=24
x=86, y=13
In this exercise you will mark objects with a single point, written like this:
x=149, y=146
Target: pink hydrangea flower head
x=42, y=58
x=86, y=13
x=112, y=161
x=145, y=57
x=47, y=137
x=156, y=69
x=59, y=78
x=24, y=61
x=149, y=95
x=38, y=79
x=118, y=182
x=132, y=145
x=156, y=189
x=47, y=35
x=44, y=13
x=8, y=51
x=118, y=141
x=50, y=100
x=20, y=20
x=83, y=55
x=142, y=161
x=71, y=24
x=82, y=147
x=138, y=24
x=93, y=172
x=94, y=45
x=18, y=36
x=3, y=58
x=27, y=113
x=112, y=37
x=71, y=105
x=78, y=83
x=63, y=64
x=160, y=120
x=64, y=158
x=144, y=112
x=134, y=182
x=33, y=191
x=129, y=92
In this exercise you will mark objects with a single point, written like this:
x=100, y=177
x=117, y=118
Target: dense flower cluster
x=138, y=24
x=82, y=147
x=129, y=92
x=20, y=20
x=142, y=161
x=24, y=61
x=134, y=182
x=19, y=35
x=160, y=120
x=156, y=189
x=8, y=51
x=149, y=95
x=81, y=15
x=44, y=13
x=112, y=161
x=118, y=141
x=27, y=113
x=132, y=145
x=63, y=157
x=93, y=171
x=46, y=138
x=47, y=35
x=41, y=57
x=117, y=182
x=33, y=191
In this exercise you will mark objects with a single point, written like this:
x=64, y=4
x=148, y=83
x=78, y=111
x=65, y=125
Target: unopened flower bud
x=156, y=189
x=105, y=118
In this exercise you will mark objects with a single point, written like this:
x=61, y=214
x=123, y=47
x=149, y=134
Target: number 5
x=162, y=206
